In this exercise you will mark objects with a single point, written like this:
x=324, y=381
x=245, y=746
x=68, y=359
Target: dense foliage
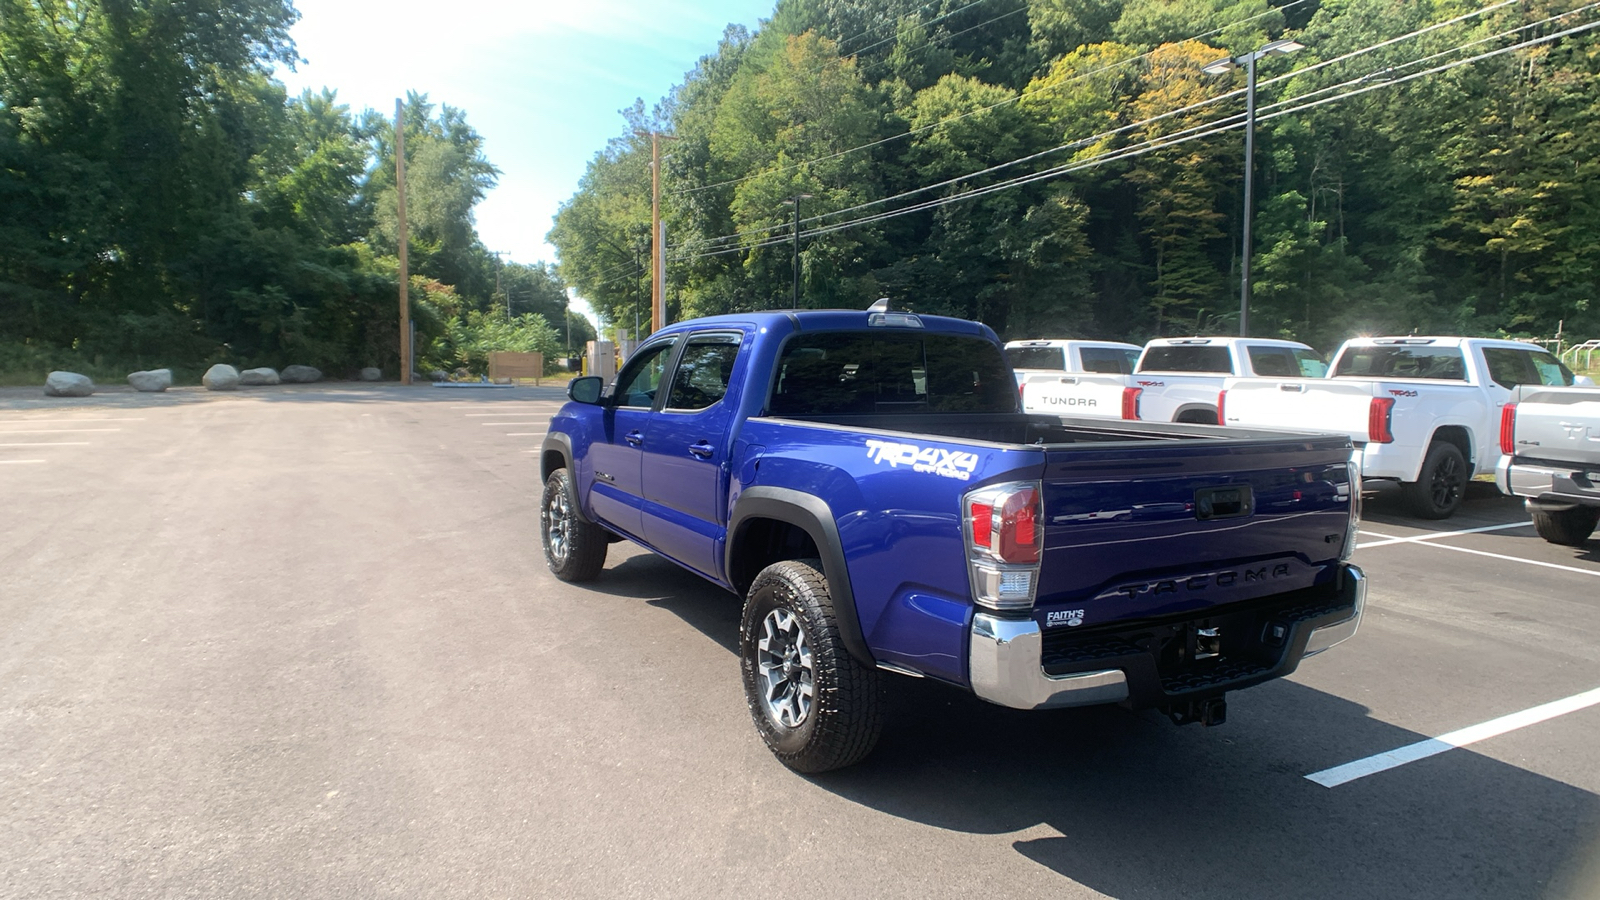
x=1458, y=200
x=165, y=204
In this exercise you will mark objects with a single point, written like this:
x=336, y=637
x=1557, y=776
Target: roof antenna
x=881, y=306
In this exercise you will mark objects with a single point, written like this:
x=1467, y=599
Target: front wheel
x=1568, y=526
x=814, y=705
x=574, y=549
x=1439, y=487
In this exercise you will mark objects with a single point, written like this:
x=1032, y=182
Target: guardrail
x=1586, y=349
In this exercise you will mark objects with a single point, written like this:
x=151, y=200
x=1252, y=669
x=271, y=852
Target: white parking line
x=59, y=421
x=526, y=433
x=1387, y=540
x=504, y=413
x=508, y=423
x=57, y=430
x=49, y=444
x=1382, y=762
x=19, y=462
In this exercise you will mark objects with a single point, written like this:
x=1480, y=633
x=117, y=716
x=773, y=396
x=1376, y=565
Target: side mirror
x=586, y=389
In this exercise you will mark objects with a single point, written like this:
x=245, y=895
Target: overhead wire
x=1092, y=139
x=1360, y=85
x=1006, y=102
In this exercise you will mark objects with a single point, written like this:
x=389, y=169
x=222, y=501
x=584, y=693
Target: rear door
x=686, y=451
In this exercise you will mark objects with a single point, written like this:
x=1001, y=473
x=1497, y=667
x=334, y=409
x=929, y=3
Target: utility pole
x=658, y=236
x=405, y=268
x=795, y=304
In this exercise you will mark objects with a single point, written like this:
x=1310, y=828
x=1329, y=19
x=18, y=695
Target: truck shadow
x=1145, y=809
x=1141, y=808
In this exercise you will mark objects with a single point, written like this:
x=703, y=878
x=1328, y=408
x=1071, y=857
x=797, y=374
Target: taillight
x=1004, y=538
x=1222, y=405
x=1130, y=402
x=1508, y=429
x=1378, y=415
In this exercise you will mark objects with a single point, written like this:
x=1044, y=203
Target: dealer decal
x=946, y=463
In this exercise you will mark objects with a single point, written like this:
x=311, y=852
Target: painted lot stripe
x=66, y=421
x=19, y=462
x=526, y=433
x=502, y=414
x=58, y=430
x=1387, y=540
x=1530, y=562
x=508, y=423
x=1382, y=762
x=49, y=444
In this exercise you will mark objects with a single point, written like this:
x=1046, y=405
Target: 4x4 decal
x=947, y=463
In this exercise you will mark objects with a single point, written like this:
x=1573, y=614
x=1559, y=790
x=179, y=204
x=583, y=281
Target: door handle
x=635, y=438
x=702, y=449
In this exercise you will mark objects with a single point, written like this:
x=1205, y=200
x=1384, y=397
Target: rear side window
x=1186, y=358
x=1443, y=363
x=1108, y=360
x=864, y=373
x=701, y=378
x=1509, y=368
x=1286, y=362
x=1037, y=358
x=1274, y=361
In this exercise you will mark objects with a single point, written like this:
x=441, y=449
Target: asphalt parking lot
x=301, y=642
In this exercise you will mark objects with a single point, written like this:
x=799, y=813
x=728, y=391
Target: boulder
x=220, y=377
x=439, y=375
x=68, y=384
x=152, y=381
x=371, y=374
x=300, y=375
x=262, y=375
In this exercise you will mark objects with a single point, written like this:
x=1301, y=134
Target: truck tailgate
x=1097, y=396
x=1559, y=424
x=1136, y=531
x=1342, y=407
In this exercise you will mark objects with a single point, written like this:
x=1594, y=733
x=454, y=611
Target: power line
x=1092, y=139
x=1360, y=85
x=1020, y=95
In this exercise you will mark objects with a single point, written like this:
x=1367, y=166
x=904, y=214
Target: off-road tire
x=1569, y=526
x=574, y=549
x=1437, y=492
x=845, y=716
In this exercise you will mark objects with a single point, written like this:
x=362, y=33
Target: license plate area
x=1235, y=501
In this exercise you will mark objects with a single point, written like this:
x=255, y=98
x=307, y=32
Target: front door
x=617, y=492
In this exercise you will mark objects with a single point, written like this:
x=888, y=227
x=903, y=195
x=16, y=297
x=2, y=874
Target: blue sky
x=541, y=81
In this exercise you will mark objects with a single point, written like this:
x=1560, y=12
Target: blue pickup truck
x=869, y=484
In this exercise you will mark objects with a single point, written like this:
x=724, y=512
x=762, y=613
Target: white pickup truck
x=1424, y=411
x=1550, y=455
x=1175, y=379
x=1049, y=359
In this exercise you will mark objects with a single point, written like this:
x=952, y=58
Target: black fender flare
x=812, y=515
x=556, y=442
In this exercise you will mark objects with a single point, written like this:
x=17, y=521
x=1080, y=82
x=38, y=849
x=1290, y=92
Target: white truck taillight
x=1004, y=530
x=1378, y=420
x=1508, y=429
x=1130, y=402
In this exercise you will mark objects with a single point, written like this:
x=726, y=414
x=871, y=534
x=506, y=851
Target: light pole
x=1221, y=66
x=795, y=304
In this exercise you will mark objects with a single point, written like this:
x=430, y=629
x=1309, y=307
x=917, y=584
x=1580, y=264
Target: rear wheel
x=1568, y=526
x=574, y=549
x=814, y=705
x=1439, y=487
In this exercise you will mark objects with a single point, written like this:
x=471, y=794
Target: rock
x=262, y=375
x=371, y=374
x=152, y=381
x=300, y=375
x=68, y=384
x=439, y=375
x=220, y=377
